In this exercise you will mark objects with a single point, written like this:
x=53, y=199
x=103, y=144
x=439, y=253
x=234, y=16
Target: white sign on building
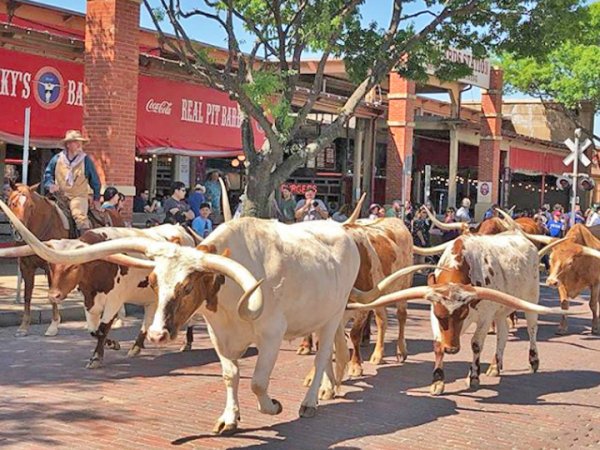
x=481, y=67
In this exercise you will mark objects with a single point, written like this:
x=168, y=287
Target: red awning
x=182, y=118
x=173, y=117
x=536, y=163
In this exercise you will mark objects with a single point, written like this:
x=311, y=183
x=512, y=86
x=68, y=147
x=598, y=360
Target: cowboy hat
x=74, y=135
x=200, y=188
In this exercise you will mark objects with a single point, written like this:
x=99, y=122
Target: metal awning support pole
x=24, y=181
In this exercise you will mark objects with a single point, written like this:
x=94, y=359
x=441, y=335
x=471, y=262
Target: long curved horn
x=442, y=225
x=517, y=303
x=129, y=261
x=540, y=239
x=428, y=251
x=195, y=236
x=356, y=213
x=512, y=209
x=17, y=252
x=251, y=305
x=405, y=295
x=512, y=225
x=590, y=252
x=550, y=246
x=225, y=200
x=80, y=255
x=365, y=297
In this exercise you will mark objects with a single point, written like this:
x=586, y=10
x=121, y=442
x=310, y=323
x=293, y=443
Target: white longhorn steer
x=481, y=279
x=307, y=273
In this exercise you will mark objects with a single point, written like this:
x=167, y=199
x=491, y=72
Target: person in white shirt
x=463, y=214
x=593, y=218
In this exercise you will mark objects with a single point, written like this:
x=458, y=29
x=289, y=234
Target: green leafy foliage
x=569, y=73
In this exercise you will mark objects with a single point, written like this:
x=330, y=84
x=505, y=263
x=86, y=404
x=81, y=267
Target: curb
x=70, y=313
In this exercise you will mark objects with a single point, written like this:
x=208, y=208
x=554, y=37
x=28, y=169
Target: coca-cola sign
x=163, y=108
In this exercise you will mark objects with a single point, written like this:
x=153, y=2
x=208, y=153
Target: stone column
x=401, y=117
x=452, y=167
x=111, y=88
x=359, y=132
x=489, y=146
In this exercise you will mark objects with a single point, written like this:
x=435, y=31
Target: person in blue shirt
x=556, y=225
x=202, y=224
x=491, y=212
x=196, y=198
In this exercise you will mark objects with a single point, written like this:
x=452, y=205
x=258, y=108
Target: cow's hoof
x=307, y=412
x=94, y=364
x=376, y=359
x=326, y=394
x=21, y=333
x=401, y=355
x=51, y=331
x=473, y=383
x=437, y=388
x=355, y=370
x=186, y=347
x=134, y=351
x=113, y=344
x=308, y=379
x=562, y=331
x=118, y=323
x=277, y=408
x=534, y=366
x=493, y=371
x=303, y=350
x=223, y=429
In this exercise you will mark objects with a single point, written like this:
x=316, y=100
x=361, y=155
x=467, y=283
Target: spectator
x=556, y=226
x=202, y=224
x=176, y=208
x=395, y=210
x=343, y=214
x=196, y=198
x=491, y=212
x=420, y=232
x=546, y=212
x=310, y=208
x=213, y=191
x=111, y=198
x=450, y=217
x=463, y=214
x=287, y=205
x=121, y=202
x=381, y=212
x=593, y=218
x=141, y=203
x=408, y=214
x=374, y=211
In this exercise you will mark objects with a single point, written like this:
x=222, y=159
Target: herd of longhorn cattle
x=259, y=282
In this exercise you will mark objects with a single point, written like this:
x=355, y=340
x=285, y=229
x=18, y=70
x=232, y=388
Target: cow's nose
x=158, y=337
x=55, y=296
x=451, y=350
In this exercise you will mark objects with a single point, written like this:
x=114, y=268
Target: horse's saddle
x=97, y=218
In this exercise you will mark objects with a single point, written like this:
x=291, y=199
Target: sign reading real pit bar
x=171, y=114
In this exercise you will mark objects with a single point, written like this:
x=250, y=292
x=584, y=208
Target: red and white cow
x=481, y=279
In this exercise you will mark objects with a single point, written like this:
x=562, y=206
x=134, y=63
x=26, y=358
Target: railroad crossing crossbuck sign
x=577, y=152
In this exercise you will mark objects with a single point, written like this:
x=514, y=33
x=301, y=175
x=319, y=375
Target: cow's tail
x=342, y=356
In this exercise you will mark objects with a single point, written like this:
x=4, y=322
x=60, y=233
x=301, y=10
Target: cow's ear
x=207, y=248
x=212, y=284
x=431, y=279
x=34, y=187
x=176, y=240
x=225, y=253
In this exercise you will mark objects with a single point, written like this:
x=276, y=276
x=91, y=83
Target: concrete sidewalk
x=11, y=313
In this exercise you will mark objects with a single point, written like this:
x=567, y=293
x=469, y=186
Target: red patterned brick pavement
x=164, y=399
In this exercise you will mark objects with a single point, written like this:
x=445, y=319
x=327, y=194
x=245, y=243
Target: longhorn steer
x=575, y=266
x=308, y=272
x=482, y=278
x=106, y=286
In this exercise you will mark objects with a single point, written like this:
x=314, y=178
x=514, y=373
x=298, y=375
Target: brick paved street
x=165, y=399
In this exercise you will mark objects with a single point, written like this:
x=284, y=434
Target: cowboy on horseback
x=72, y=172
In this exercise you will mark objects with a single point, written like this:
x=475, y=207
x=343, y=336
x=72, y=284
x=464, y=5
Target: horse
x=41, y=216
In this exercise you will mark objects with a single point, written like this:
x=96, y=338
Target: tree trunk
x=258, y=190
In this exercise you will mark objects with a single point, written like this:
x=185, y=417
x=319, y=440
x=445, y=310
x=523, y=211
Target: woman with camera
x=311, y=208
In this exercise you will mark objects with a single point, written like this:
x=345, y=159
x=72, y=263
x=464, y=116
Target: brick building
x=151, y=123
